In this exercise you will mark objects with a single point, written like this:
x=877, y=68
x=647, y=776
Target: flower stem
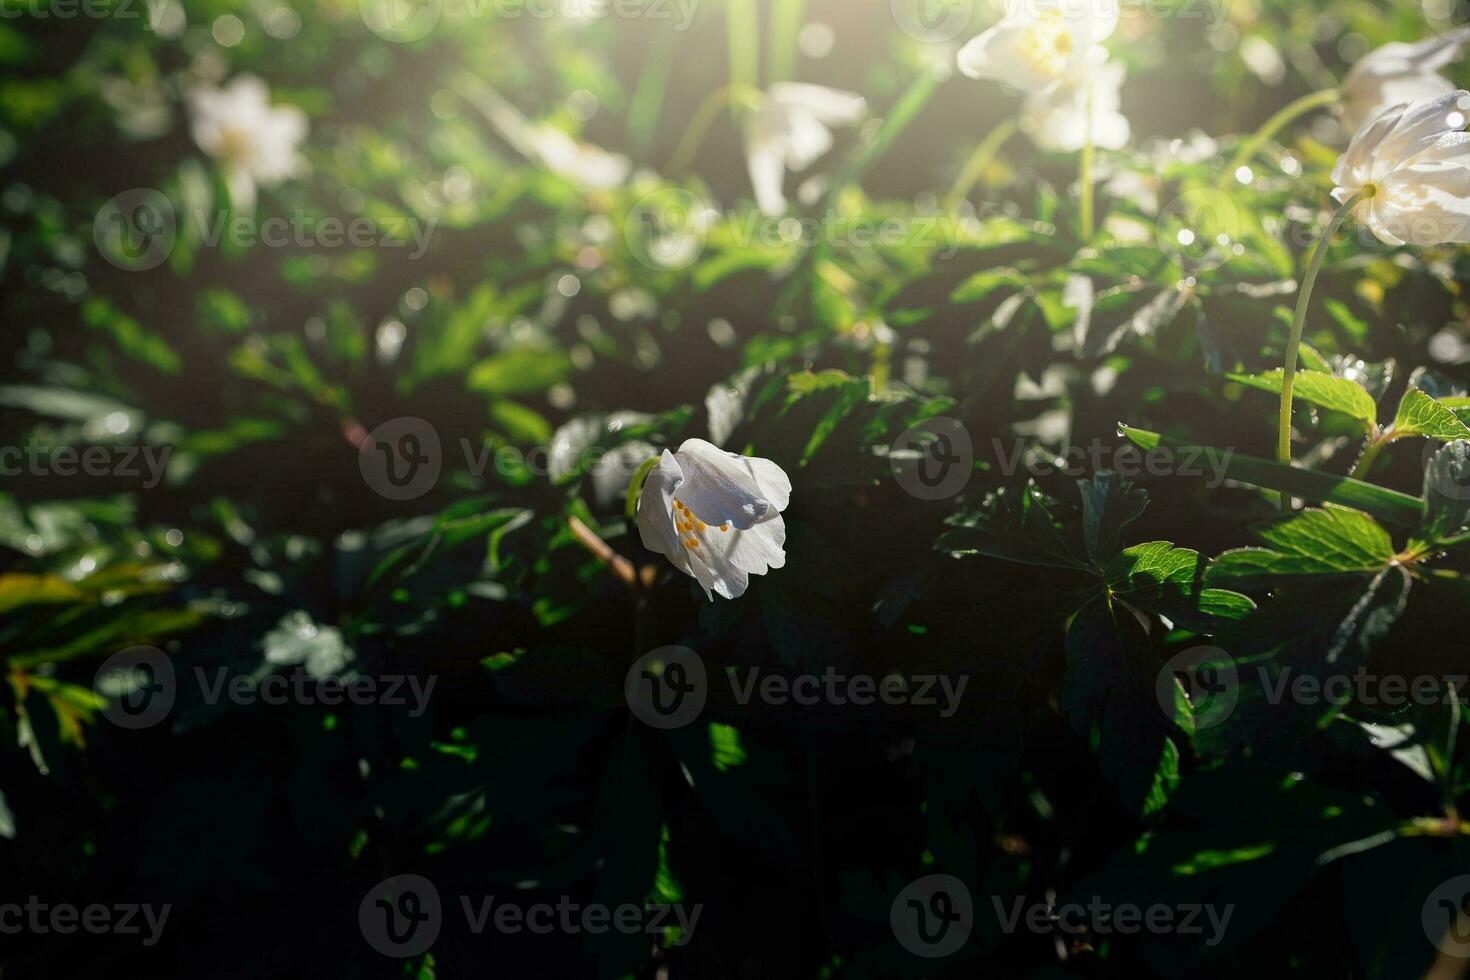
x=727, y=95
x=979, y=161
x=1247, y=150
x=1370, y=455
x=1085, y=174
x=1298, y=321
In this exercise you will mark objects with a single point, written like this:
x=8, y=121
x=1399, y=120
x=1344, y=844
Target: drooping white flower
x=255, y=142
x=588, y=166
x=715, y=515
x=1414, y=163
x=1398, y=73
x=1038, y=43
x=1056, y=119
x=789, y=131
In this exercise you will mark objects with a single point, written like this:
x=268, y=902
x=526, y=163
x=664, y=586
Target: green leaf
x=1112, y=674
x=1335, y=541
x=519, y=372
x=1386, y=505
x=1014, y=525
x=1170, y=581
x=1322, y=390
x=1421, y=415
x=1109, y=503
x=1446, y=497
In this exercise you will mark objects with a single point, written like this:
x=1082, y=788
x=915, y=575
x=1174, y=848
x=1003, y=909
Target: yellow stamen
x=691, y=543
x=724, y=527
x=699, y=525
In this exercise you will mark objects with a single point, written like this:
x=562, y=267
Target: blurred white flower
x=1056, y=119
x=1413, y=163
x=1398, y=73
x=584, y=164
x=789, y=130
x=1038, y=43
x=715, y=515
x=255, y=142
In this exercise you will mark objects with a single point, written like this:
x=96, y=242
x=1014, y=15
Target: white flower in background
x=584, y=164
x=1039, y=43
x=715, y=515
x=1056, y=119
x=1414, y=163
x=255, y=142
x=789, y=131
x=1398, y=73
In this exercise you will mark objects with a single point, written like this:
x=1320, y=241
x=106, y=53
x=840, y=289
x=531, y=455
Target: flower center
x=1047, y=45
x=691, y=528
x=234, y=143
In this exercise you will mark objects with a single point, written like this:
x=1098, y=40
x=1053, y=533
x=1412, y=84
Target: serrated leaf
x=1170, y=581
x=1112, y=673
x=1312, y=543
x=1420, y=415
x=1320, y=389
x=1446, y=497
x=1109, y=503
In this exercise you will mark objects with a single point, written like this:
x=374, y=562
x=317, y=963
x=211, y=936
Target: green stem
x=979, y=162
x=1247, y=150
x=1370, y=455
x=787, y=19
x=743, y=29
x=1298, y=321
x=704, y=117
x=1085, y=175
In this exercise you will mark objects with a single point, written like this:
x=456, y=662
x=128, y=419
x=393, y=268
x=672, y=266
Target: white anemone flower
x=584, y=164
x=1057, y=119
x=1412, y=163
x=789, y=130
x=255, y=142
x=715, y=515
x=1398, y=73
x=1039, y=43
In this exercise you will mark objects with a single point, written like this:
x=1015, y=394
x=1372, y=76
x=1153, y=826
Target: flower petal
x=1418, y=128
x=765, y=158
x=828, y=105
x=721, y=487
